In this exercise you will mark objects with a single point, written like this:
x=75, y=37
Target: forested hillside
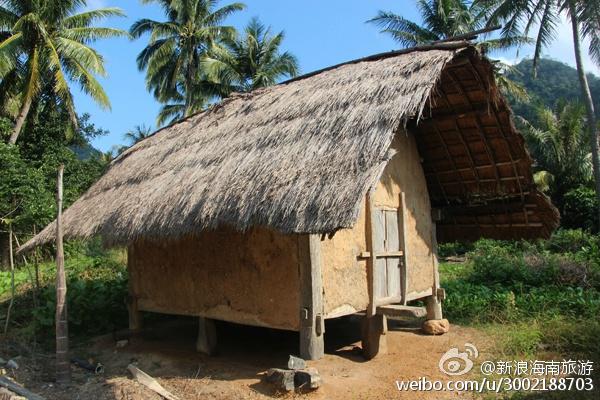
x=554, y=81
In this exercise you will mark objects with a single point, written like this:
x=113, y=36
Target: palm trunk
x=189, y=81
x=63, y=366
x=587, y=100
x=20, y=120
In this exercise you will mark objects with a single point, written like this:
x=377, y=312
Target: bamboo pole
x=63, y=366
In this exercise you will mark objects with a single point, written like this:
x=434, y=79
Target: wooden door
x=388, y=250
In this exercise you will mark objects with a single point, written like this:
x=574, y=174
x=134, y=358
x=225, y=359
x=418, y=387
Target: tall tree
x=48, y=42
x=172, y=57
x=558, y=142
x=443, y=19
x=544, y=16
x=250, y=61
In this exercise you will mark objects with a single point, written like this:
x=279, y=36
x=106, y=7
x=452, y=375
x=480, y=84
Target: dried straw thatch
x=298, y=157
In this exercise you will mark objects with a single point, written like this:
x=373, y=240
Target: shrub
x=454, y=249
x=571, y=241
x=514, y=264
x=580, y=209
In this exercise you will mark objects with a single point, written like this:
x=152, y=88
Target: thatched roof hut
x=317, y=198
x=300, y=156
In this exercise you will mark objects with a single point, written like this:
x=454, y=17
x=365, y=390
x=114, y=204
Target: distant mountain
x=555, y=81
x=85, y=151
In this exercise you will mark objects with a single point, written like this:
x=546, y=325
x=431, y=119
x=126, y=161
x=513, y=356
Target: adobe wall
x=344, y=273
x=249, y=278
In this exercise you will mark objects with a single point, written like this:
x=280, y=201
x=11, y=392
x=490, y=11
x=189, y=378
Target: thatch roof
x=300, y=156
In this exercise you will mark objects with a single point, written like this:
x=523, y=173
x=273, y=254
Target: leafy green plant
x=579, y=209
x=97, y=289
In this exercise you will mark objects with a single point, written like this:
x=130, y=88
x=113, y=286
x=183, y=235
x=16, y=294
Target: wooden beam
x=468, y=35
x=488, y=209
x=312, y=322
x=501, y=179
x=468, y=169
x=515, y=225
x=397, y=311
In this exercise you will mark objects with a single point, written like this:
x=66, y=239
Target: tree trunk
x=189, y=83
x=587, y=100
x=63, y=366
x=4, y=252
x=12, y=278
x=20, y=120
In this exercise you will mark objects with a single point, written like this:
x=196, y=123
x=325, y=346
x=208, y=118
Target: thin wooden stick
x=63, y=366
x=12, y=277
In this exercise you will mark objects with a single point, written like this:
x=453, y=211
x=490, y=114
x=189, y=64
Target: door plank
x=392, y=245
x=379, y=246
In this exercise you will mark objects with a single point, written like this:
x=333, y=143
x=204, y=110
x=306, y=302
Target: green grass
x=536, y=300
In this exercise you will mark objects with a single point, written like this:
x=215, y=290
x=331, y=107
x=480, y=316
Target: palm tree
x=172, y=57
x=544, y=16
x=201, y=94
x=443, y=19
x=250, y=61
x=140, y=132
x=558, y=142
x=49, y=42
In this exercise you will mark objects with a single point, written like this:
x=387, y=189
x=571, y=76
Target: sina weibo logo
x=456, y=363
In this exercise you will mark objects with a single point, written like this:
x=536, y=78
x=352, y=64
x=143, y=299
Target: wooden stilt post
x=63, y=365
x=312, y=323
x=374, y=336
x=374, y=326
x=434, y=307
x=136, y=322
x=433, y=303
x=207, y=336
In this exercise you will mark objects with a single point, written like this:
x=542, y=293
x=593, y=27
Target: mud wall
x=345, y=273
x=249, y=278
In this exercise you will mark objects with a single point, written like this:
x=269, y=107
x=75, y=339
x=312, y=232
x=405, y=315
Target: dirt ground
x=166, y=351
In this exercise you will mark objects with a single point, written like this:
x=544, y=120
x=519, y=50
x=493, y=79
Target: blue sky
x=318, y=32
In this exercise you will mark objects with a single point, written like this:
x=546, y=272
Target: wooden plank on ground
x=18, y=389
x=150, y=382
